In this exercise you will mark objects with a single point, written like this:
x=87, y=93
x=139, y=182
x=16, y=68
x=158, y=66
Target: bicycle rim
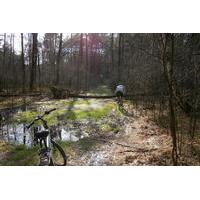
x=58, y=156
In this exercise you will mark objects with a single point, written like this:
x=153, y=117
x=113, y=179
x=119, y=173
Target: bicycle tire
x=62, y=153
x=44, y=157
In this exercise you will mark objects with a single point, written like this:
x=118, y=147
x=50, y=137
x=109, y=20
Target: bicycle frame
x=49, y=143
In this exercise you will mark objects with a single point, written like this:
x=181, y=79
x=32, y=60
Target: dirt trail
x=140, y=142
x=108, y=137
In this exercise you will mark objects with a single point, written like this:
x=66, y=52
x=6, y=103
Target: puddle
x=97, y=159
x=18, y=134
x=68, y=135
x=73, y=131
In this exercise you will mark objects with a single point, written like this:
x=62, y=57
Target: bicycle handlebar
x=49, y=111
x=40, y=117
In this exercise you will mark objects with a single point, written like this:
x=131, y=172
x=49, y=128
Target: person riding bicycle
x=120, y=91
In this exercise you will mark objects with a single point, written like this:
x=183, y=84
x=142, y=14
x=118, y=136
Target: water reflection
x=18, y=134
x=68, y=135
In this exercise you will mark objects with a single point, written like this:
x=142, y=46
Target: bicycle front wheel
x=58, y=156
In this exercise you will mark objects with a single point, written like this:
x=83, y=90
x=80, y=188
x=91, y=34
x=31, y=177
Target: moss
x=53, y=118
x=106, y=128
x=28, y=116
x=65, y=102
x=10, y=102
x=5, y=147
x=98, y=113
x=86, y=144
x=82, y=101
x=92, y=113
x=101, y=90
x=20, y=156
x=24, y=117
x=79, y=114
x=128, y=102
x=64, y=114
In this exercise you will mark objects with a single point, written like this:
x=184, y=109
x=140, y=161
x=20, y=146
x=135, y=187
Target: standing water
x=19, y=134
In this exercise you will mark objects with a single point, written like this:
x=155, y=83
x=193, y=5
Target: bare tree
x=23, y=64
x=58, y=60
x=34, y=62
x=119, y=57
x=112, y=52
x=4, y=61
x=167, y=41
x=86, y=62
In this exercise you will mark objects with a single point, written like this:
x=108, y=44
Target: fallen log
x=91, y=96
x=20, y=95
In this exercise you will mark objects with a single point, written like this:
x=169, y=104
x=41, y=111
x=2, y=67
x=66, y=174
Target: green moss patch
x=101, y=90
x=24, y=117
x=20, y=156
x=91, y=109
x=105, y=128
x=10, y=102
x=97, y=113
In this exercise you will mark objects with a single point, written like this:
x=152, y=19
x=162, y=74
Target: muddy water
x=18, y=134
x=73, y=131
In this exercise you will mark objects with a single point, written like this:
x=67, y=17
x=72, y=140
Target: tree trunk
x=4, y=62
x=86, y=61
x=34, y=62
x=23, y=64
x=112, y=53
x=168, y=64
x=80, y=59
x=119, y=58
x=15, y=82
x=58, y=60
x=39, y=71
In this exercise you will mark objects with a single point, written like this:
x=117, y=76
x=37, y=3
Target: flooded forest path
x=137, y=140
x=93, y=132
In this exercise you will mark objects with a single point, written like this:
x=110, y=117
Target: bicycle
x=51, y=153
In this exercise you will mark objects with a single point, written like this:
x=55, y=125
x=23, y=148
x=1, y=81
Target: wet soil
x=139, y=142
x=124, y=136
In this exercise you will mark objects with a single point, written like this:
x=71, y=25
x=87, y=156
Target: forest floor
x=102, y=133
x=139, y=141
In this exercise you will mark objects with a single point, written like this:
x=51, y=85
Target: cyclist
x=120, y=91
